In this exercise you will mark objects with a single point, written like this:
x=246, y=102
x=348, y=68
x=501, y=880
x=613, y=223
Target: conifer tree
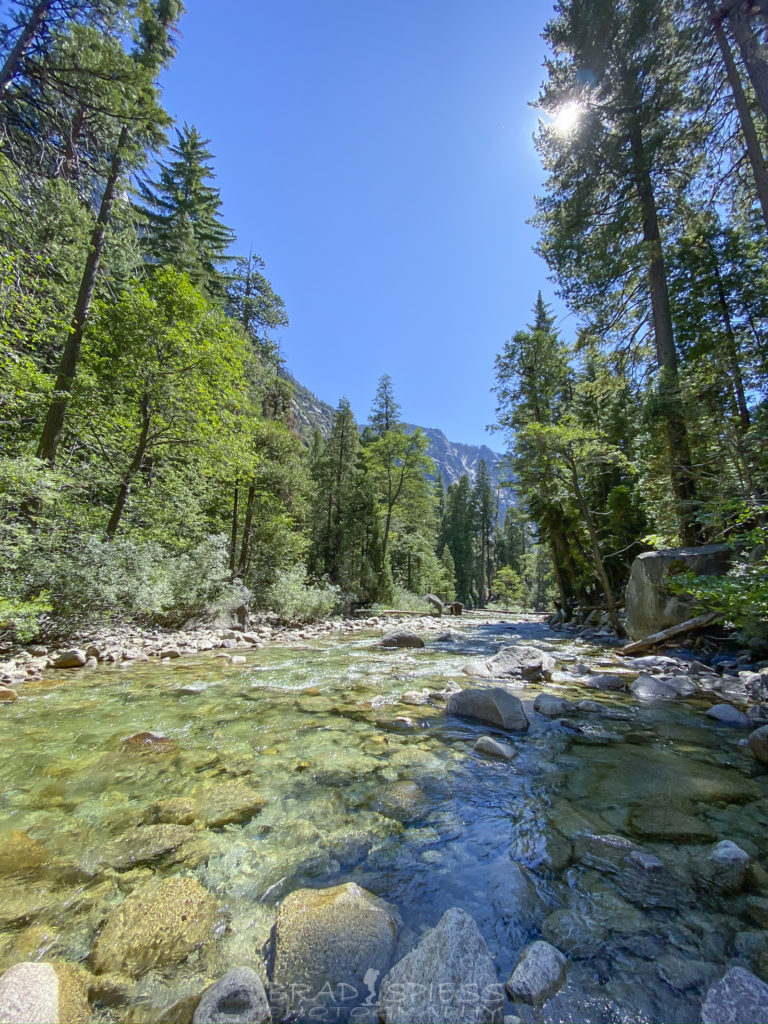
x=182, y=214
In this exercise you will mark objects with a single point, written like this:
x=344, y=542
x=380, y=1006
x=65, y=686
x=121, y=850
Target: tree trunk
x=597, y=555
x=681, y=471
x=245, y=547
x=754, y=150
x=132, y=470
x=738, y=16
x=57, y=410
x=23, y=43
x=481, y=595
x=737, y=380
x=233, y=537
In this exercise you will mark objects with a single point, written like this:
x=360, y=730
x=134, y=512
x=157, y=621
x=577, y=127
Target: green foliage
x=294, y=598
x=507, y=586
x=741, y=594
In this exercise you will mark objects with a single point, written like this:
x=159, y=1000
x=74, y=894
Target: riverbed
x=306, y=767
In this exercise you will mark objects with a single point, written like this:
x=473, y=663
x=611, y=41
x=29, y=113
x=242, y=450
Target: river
x=326, y=776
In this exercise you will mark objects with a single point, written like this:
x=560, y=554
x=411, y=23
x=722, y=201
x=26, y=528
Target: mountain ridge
x=452, y=459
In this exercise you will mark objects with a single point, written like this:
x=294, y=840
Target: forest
x=150, y=460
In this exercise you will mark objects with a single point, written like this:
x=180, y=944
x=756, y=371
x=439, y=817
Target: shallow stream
x=391, y=796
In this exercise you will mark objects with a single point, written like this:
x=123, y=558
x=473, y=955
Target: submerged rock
x=605, y=681
x=229, y=803
x=44, y=993
x=758, y=744
x=160, y=923
x=647, y=687
x=495, y=748
x=737, y=998
x=149, y=844
x=20, y=854
x=150, y=744
x=553, y=707
x=448, y=977
x=237, y=998
x=404, y=801
x=538, y=974
x=400, y=638
x=325, y=939
x=727, y=714
x=492, y=705
x=670, y=822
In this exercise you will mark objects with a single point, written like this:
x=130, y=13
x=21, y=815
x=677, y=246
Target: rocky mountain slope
x=452, y=459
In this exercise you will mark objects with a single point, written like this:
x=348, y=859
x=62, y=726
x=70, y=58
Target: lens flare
x=567, y=117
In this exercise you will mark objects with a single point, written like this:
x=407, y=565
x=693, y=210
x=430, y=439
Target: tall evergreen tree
x=182, y=214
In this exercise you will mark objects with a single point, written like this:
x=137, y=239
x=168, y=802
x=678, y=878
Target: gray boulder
x=74, y=658
x=448, y=977
x=517, y=662
x=495, y=748
x=650, y=606
x=739, y=997
x=326, y=938
x=651, y=687
x=727, y=714
x=237, y=998
x=727, y=867
x=436, y=603
x=758, y=744
x=552, y=707
x=605, y=681
x=401, y=638
x=538, y=974
x=492, y=705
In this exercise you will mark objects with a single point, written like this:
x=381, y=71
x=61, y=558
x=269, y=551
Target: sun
x=567, y=117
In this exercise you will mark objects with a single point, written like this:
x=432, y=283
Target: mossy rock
x=160, y=923
x=20, y=854
x=228, y=803
x=326, y=938
x=151, y=844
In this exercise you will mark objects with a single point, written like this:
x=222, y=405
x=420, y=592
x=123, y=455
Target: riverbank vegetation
x=651, y=428
x=150, y=458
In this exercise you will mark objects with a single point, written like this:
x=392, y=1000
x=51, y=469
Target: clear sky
x=377, y=154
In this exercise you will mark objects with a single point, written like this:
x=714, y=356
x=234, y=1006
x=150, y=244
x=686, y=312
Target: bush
x=294, y=598
x=96, y=579
x=404, y=600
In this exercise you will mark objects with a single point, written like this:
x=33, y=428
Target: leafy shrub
x=294, y=598
x=404, y=600
x=741, y=594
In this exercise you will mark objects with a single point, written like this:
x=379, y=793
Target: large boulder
x=492, y=705
x=448, y=977
x=43, y=993
x=650, y=606
x=517, y=662
x=738, y=997
x=237, y=998
x=159, y=924
x=401, y=638
x=74, y=658
x=328, y=945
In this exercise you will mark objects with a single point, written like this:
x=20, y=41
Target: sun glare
x=567, y=117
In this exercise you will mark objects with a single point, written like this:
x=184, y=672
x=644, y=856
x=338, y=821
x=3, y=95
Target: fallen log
x=689, y=626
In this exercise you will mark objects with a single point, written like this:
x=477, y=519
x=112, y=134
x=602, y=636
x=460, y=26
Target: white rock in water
x=538, y=973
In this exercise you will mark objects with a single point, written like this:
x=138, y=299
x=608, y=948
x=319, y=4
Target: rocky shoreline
x=125, y=645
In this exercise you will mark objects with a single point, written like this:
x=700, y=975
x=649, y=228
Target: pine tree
x=485, y=509
x=181, y=211
x=610, y=194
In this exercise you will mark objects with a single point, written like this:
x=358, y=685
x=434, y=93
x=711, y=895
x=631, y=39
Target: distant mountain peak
x=452, y=459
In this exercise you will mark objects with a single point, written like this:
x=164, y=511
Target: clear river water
x=390, y=795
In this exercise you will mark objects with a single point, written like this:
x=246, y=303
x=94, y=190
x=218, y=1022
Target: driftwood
x=667, y=634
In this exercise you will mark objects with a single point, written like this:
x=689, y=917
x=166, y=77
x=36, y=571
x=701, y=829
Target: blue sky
x=377, y=154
